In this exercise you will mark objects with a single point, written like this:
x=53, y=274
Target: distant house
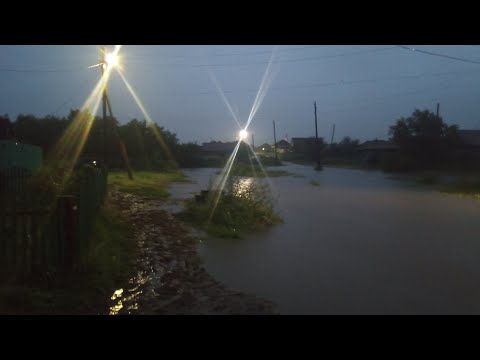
x=218, y=147
x=217, y=150
x=378, y=146
x=303, y=145
x=16, y=155
x=283, y=145
x=374, y=150
x=264, y=147
x=470, y=139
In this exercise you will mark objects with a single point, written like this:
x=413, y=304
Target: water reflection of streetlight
x=243, y=187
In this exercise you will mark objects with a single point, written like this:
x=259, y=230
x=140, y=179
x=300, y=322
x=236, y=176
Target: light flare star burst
x=265, y=84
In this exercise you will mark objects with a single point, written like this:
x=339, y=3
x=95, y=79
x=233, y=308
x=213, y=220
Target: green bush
x=395, y=162
x=243, y=207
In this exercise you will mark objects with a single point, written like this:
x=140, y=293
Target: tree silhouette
x=424, y=139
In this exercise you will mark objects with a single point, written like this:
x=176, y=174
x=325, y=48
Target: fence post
x=68, y=207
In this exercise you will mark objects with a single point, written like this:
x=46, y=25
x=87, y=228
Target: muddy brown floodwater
x=358, y=243
x=352, y=242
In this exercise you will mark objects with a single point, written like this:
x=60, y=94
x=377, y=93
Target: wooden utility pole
x=317, y=144
x=103, y=61
x=333, y=134
x=253, y=143
x=438, y=109
x=106, y=103
x=121, y=145
x=274, y=140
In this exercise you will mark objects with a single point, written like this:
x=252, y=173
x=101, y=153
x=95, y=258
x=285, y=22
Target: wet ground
x=170, y=278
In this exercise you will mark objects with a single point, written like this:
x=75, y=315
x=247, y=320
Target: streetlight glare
x=243, y=134
x=111, y=59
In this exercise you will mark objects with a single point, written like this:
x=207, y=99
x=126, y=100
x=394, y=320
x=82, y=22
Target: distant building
x=16, y=155
x=217, y=150
x=303, y=145
x=265, y=147
x=17, y=163
x=374, y=150
x=378, y=145
x=283, y=145
x=218, y=147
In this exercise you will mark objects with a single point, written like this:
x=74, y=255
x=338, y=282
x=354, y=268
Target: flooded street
x=354, y=242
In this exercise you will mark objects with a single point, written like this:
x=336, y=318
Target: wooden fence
x=12, y=180
x=54, y=238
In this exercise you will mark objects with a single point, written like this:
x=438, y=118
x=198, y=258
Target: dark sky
x=361, y=89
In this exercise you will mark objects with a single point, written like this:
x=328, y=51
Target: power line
x=380, y=99
x=246, y=53
x=439, y=55
x=72, y=96
x=328, y=84
x=303, y=59
x=40, y=70
x=276, y=61
x=267, y=52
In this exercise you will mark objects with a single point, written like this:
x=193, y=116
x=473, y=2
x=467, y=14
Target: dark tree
x=6, y=129
x=424, y=139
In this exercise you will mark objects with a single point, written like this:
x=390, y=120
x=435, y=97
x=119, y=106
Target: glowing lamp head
x=243, y=134
x=111, y=59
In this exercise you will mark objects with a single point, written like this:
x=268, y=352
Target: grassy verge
x=145, y=183
x=239, y=211
x=460, y=183
x=469, y=186
x=269, y=160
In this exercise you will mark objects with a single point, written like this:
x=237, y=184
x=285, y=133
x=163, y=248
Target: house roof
x=302, y=138
x=470, y=137
x=377, y=145
x=218, y=146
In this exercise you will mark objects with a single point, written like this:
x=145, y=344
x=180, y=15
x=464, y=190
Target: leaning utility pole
x=274, y=141
x=106, y=103
x=317, y=145
x=103, y=61
x=121, y=145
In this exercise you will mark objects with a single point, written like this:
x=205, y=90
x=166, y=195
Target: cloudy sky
x=360, y=89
